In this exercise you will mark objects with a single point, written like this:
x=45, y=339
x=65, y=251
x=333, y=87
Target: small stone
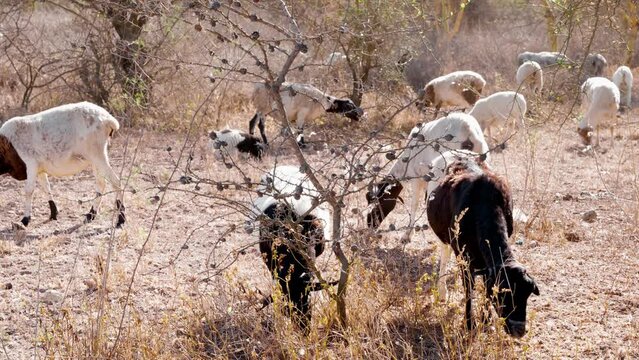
x=20, y=232
x=572, y=236
x=51, y=297
x=90, y=284
x=185, y=247
x=8, y=286
x=519, y=241
x=533, y=244
x=589, y=216
x=567, y=197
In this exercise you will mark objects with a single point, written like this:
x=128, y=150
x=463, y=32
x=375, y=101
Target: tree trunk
x=631, y=22
x=130, y=52
x=551, y=28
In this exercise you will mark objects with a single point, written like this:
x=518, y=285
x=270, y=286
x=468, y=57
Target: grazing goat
x=623, y=79
x=301, y=102
x=292, y=234
x=61, y=141
x=235, y=141
x=425, y=143
x=459, y=88
x=599, y=102
x=594, y=65
x=543, y=58
x=470, y=211
x=530, y=74
x=496, y=109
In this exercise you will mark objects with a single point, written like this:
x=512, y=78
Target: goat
x=301, y=102
x=594, y=65
x=544, y=58
x=235, y=141
x=496, y=109
x=60, y=141
x=425, y=143
x=459, y=88
x=470, y=210
x=292, y=234
x=623, y=79
x=599, y=101
x=531, y=74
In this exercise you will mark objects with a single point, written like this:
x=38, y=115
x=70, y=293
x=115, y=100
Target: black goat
x=284, y=238
x=470, y=210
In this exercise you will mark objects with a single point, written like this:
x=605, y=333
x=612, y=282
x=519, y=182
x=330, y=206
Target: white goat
x=594, y=65
x=543, y=58
x=425, y=143
x=235, y=141
x=531, y=75
x=61, y=141
x=623, y=79
x=459, y=88
x=497, y=109
x=599, y=102
x=301, y=102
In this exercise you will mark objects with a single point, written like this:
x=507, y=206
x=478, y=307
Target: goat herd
x=447, y=159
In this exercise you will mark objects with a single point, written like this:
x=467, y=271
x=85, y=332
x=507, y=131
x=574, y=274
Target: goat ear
x=535, y=288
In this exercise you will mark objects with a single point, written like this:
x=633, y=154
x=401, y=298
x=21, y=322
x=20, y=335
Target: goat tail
x=111, y=125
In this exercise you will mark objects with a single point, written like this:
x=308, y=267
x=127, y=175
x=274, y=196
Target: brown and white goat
x=469, y=209
x=61, y=141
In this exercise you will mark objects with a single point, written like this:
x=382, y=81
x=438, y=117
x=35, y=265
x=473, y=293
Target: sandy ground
x=587, y=271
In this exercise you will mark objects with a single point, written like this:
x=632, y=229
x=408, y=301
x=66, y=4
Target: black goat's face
x=345, y=107
x=383, y=197
x=251, y=145
x=515, y=287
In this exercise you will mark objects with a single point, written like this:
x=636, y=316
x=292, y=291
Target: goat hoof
x=121, y=217
x=25, y=220
x=54, y=210
x=121, y=220
x=90, y=216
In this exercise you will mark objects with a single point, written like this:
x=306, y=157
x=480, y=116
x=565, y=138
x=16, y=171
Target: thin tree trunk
x=550, y=25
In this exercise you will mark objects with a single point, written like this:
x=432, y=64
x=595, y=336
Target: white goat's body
x=498, y=108
x=448, y=89
x=543, y=58
x=623, y=79
x=531, y=75
x=600, y=102
x=234, y=142
x=421, y=153
x=63, y=141
x=301, y=102
x=466, y=134
x=299, y=109
x=287, y=184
